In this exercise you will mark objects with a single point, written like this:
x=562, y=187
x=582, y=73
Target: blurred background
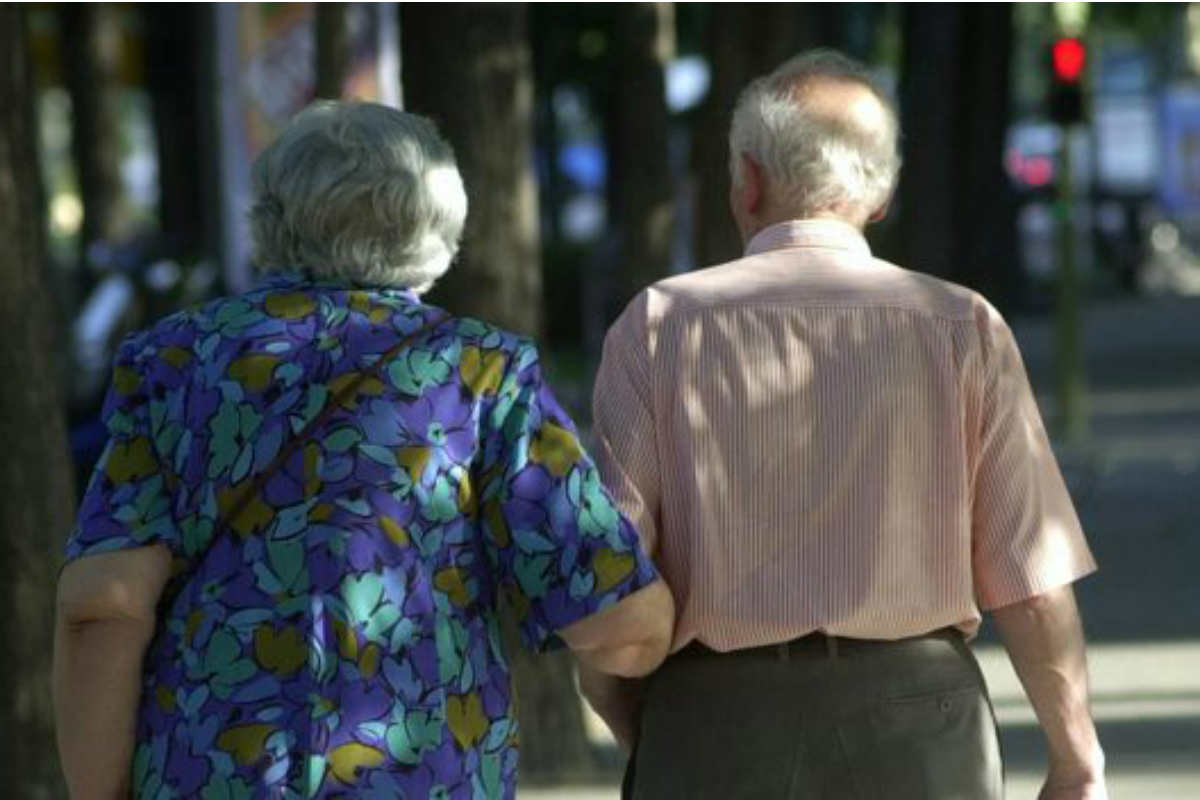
x=1051, y=161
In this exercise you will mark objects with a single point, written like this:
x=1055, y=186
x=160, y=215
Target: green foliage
x=1151, y=22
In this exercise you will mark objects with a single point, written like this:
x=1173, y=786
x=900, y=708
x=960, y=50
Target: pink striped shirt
x=809, y=438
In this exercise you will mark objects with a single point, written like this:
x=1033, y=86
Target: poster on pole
x=1127, y=143
x=1179, y=183
x=266, y=73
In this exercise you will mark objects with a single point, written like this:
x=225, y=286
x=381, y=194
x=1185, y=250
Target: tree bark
x=745, y=41
x=92, y=39
x=480, y=93
x=553, y=35
x=35, y=473
x=985, y=201
x=554, y=747
x=641, y=203
x=957, y=209
x=175, y=72
x=332, y=50
x=929, y=87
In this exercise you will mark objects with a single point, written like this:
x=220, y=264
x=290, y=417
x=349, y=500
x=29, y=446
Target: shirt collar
x=295, y=279
x=828, y=233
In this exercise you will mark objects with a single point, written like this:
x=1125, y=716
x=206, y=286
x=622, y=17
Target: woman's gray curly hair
x=359, y=192
x=822, y=162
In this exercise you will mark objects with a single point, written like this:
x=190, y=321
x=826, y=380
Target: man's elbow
x=1055, y=602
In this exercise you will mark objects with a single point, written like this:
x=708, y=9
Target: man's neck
x=767, y=221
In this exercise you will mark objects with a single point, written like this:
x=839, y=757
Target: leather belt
x=815, y=644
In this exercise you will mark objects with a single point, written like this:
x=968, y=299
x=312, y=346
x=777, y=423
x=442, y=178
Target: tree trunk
x=929, y=86
x=480, y=93
x=175, y=71
x=553, y=37
x=857, y=29
x=332, y=48
x=91, y=37
x=554, y=747
x=746, y=41
x=957, y=209
x=35, y=473
x=986, y=249
x=641, y=207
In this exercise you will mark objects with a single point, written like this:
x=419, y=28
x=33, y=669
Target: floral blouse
x=340, y=636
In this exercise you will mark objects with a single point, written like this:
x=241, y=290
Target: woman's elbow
x=645, y=652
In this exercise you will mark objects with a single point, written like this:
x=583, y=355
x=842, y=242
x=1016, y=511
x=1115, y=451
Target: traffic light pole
x=1072, y=417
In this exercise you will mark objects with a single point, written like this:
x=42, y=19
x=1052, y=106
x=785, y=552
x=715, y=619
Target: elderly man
x=838, y=465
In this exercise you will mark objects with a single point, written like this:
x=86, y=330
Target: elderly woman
x=285, y=575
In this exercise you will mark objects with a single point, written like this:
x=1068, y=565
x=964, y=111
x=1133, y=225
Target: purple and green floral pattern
x=340, y=638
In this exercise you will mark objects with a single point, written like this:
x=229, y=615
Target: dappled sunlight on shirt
x=829, y=442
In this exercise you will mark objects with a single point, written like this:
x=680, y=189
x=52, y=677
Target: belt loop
x=784, y=651
x=832, y=645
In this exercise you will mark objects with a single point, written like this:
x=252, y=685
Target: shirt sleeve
x=560, y=547
x=623, y=419
x=1027, y=538
x=127, y=502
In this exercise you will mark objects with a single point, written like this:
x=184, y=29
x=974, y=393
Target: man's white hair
x=822, y=160
x=361, y=192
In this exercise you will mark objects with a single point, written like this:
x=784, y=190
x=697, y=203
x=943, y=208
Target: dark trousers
x=819, y=718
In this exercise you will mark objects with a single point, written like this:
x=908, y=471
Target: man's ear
x=881, y=212
x=753, y=188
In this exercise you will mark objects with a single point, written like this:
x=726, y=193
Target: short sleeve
x=560, y=548
x=1027, y=538
x=127, y=502
x=624, y=429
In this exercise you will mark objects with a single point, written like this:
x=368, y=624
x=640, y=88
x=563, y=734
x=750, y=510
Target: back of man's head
x=824, y=133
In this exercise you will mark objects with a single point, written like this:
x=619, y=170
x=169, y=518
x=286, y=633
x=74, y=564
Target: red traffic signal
x=1069, y=57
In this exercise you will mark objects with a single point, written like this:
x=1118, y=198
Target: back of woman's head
x=360, y=192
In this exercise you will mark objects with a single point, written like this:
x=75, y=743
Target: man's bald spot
x=843, y=100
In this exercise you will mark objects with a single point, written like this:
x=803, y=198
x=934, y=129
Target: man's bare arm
x=1044, y=639
x=105, y=620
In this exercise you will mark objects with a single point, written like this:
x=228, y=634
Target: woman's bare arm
x=105, y=620
x=629, y=639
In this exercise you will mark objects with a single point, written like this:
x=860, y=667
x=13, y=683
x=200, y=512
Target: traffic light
x=1068, y=58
